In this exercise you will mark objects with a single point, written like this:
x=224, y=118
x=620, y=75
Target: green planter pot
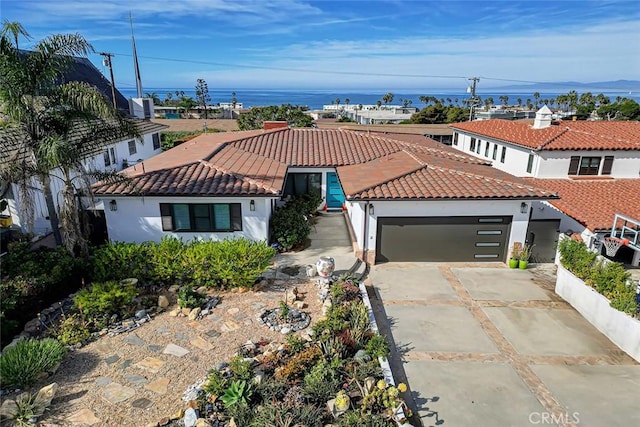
x=523, y=264
x=513, y=263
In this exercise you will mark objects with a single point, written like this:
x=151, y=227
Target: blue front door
x=335, y=195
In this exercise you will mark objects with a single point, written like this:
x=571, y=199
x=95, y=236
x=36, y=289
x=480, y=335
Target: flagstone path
x=138, y=378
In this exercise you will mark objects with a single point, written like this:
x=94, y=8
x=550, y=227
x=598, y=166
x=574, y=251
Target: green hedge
x=227, y=263
x=290, y=225
x=608, y=278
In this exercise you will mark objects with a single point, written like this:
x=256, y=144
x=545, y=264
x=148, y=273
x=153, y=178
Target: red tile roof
x=593, y=203
x=565, y=135
x=256, y=162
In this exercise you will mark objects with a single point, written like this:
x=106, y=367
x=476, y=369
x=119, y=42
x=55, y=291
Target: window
x=455, y=138
x=530, y=163
x=607, y=165
x=201, y=217
x=486, y=150
x=302, y=183
x=132, y=148
x=109, y=156
x=478, y=146
x=495, y=151
x=156, y=141
x=504, y=154
x=473, y=145
x=587, y=165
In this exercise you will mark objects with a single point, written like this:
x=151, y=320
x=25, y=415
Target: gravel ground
x=107, y=367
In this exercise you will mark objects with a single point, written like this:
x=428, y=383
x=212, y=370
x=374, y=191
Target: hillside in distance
x=613, y=85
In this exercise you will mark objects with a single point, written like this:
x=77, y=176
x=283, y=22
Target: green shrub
x=240, y=369
x=21, y=364
x=608, y=278
x=322, y=382
x=188, y=298
x=358, y=419
x=120, y=260
x=377, y=346
x=289, y=227
x=295, y=344
x=216, y=383
x=73, y=330
x=271, y=389
x=165, y=259
x=279, y=414
x=576, y=257
x=236, y=262
x=605, y=276
x=105, y=299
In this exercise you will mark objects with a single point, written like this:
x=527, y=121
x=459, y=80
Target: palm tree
x=536, y=97
x=59, y=125
x=347, y=101
x=455, y=100
x=154, y=97
x=425, y=99
x=378, y=103
x=504, y=99
x=387, y=98
x=519, y=101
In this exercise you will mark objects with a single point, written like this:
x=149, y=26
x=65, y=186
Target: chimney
x=274, y=124
x=543, y=118
x=141, y=108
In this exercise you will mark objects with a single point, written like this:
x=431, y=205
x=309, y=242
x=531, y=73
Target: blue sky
x=386, y=45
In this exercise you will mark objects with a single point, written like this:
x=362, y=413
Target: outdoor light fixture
x=252, y=205
x=113, y=205
x=371, y=211
x=524, y=208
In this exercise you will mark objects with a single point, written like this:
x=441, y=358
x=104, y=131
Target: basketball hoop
x=612, y=244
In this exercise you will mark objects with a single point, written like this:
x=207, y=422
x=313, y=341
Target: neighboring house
x=407, y=198
x=114, y=156
x=578, y=159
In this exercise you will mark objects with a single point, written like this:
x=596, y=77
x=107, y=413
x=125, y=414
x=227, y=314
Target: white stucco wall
x=438, y=208
x=516, y=158
x=137, y=219
x=355, y=211
x=549, y=164
x=555, y=164
x=41, y=224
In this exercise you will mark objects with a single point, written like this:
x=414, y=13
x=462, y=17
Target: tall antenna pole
x=472, y=100
x=107, y=62
x=135, y=60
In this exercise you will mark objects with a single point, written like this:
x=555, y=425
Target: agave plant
x=239, y=392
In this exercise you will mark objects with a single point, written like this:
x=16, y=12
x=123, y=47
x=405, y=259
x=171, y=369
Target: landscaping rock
x=190, y=417
x=174, y=288
x=175, y=312
x=202, y=290
x=140, y=314
x=185, y=311
x=299, y=305
x=163, y=301
x=201, y=422
x=193, y=314
x=9, y=409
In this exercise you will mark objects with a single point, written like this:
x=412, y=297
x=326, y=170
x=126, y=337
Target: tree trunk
x=51, y=207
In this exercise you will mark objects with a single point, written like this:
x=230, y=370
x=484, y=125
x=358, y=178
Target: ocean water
x=315, y=99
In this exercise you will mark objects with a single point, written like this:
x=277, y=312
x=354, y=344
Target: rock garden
x=180, y=333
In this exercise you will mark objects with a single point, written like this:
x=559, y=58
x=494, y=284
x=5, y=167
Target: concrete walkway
x=483, y=345
x=329, y=237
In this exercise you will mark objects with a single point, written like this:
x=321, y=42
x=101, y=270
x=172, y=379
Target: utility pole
x=472, y=100
x=107, y=62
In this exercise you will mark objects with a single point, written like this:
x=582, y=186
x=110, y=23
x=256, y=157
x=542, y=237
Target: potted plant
x=515, y=256
x=525, y=254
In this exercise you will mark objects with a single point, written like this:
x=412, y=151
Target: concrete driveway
x=484, y=345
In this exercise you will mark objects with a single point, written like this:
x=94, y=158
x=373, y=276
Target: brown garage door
x=443, y=239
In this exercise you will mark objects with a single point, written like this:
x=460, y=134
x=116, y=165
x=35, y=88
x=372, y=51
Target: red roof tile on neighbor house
x=565, y=135
x=593, y=203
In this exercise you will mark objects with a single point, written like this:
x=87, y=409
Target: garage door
x=443, y=239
